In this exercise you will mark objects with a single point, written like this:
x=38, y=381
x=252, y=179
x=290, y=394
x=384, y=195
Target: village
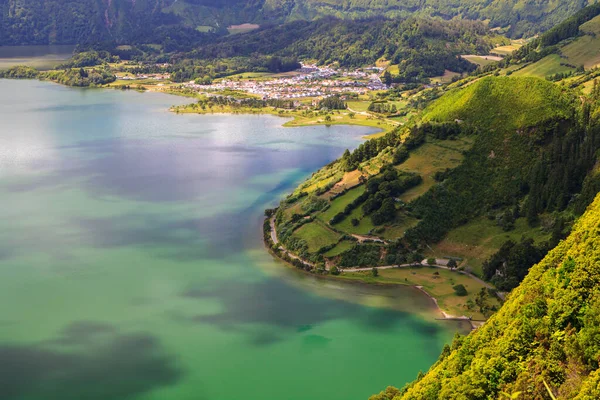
x=308, y=81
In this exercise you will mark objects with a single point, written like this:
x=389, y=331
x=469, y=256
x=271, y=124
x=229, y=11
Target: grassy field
x=547, y=66
x=204, y=28
x=397, y=230
x=506, y=50
x=477, y=240
x=503, y=104
x=321, y=179
x=316, y=235
x=584, y=51
x=394, y=69
x=479, y=60
x=364, y=226
x=435, y=281
x=340, y=203
x=344, y=118
x=341, y=247
x=360, y=106
x=446, y=78
x=430, y=158
x=261, y=75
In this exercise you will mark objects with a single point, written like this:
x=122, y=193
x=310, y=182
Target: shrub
x=460, y=290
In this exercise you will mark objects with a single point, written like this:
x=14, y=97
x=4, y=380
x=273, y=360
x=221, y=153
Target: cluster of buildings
x=156, y=77
x=308, y=81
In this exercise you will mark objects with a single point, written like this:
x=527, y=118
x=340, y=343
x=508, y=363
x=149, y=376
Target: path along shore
x=439, y=263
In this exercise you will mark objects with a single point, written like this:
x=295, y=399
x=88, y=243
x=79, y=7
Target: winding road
x=439, y=262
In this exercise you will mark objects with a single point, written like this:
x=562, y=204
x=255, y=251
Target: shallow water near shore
x=132, y=263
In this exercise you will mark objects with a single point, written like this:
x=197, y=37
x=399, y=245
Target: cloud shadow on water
x=87, y=361
x=274, y=303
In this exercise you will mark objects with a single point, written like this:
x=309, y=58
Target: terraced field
x=430, y=158
x=549, y=65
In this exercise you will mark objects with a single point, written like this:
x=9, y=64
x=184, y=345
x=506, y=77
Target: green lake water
x=132, y=263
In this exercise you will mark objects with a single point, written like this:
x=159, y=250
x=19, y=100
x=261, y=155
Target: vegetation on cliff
x=547, y=332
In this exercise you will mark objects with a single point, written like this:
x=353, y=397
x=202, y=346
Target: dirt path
x=439, y=263
x=362, y=238
x=368, y=114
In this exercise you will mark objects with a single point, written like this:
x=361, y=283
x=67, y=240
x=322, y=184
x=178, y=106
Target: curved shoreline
x=274, y=242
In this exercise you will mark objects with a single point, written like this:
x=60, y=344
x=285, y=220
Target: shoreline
x=267, y=239
x=294, y=120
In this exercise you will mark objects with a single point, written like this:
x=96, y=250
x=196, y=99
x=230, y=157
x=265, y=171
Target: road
x=276, y=241
x=273, y=231
x=368, y=114
x=439, y=262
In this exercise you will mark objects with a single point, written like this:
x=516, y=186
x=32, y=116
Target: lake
x=132, y=264
x=40, y=57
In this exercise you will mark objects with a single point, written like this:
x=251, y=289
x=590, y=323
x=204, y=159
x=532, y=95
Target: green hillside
x=125, y=21
x=501, y=103
x=492, y=174
x=569, y=49
x=580, y=51
x=548, y=332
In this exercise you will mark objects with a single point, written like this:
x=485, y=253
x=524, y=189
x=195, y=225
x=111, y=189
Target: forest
x=178, y=24
x=543, y=342
x=423, y=47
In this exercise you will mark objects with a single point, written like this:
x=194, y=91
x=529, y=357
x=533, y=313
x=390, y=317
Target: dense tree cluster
x=382, y=107
x=509, y=266
x=212, y=102
x=89, y=21
x=333, y=103
x=544, y=339
x=20, y=72
x=558, y=175
x=364, y=255
x=369, y=149
x=173, y=23
x=81, y=77
x=422, y=47
x=89, y=59
x=500, y=169
x=382, y=191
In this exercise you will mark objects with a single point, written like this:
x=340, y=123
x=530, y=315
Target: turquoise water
x=132, y=266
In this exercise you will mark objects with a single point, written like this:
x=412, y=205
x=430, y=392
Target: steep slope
x=424, y=46
x=82, y=21
x=501, y=103
x=569, y=48
x=506, y=151
x=548, y=331
x=85, y=21
x=516, y=123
